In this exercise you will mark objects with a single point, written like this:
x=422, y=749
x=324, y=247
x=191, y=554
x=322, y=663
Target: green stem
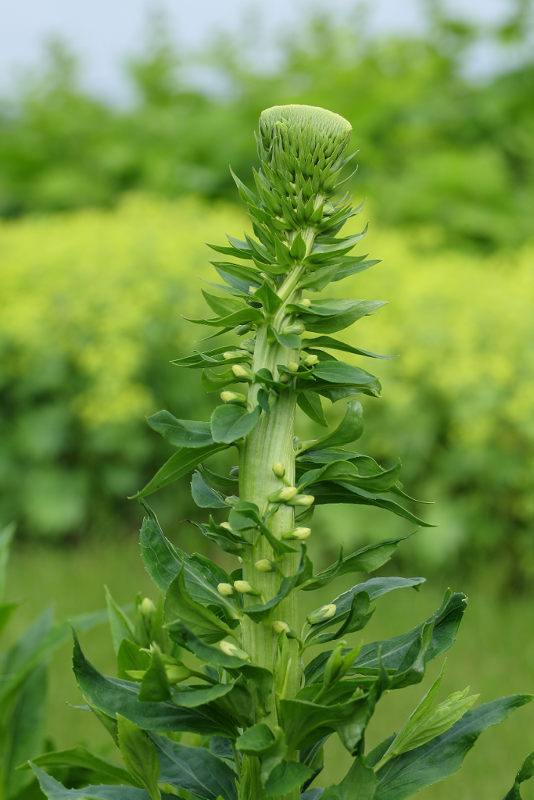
x=270, y=442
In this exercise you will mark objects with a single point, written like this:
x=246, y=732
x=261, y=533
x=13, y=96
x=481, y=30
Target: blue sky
x=104, y=32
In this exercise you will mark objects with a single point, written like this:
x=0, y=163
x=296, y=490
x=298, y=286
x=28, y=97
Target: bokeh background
x=117, y=126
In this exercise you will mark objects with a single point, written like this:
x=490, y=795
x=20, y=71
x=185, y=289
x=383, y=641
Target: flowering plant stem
x=218, y=696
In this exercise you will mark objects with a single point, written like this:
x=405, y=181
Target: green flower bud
x=293, y=366
x=226, y=589
x=264, y=565
x=283, y=495
x=231, y=500
x=241, y=372
x=297, y=533
x=226, y=526
x=311, y=360
x=322, y=614
x=233, y=397
x=230, y=649
x=279, y=626
x=295, y=327
x=176, y=672
x=279, y=469
x=303, y=500
x=306, y=302
x=147, y=607
x=244, y=587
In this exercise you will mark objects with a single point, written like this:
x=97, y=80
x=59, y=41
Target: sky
x=104, y=32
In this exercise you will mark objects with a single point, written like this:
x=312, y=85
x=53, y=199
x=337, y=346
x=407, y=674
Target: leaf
x=179, y=604
x=289, y=340
x=24, y=730
x=329, y=316
x=525, y=773
x=256, y=739
x=310, y=403
x=207, y=653
x=285, y=777
x=360, y=782
x=179, y=464
x=230, y=422
x=203, y=495
x=305, y=722
x=440, y=757
x=340, y=373
x=228, y=321
x=195, y=770
x=155, y=684
x=349, y=429
x=268, y=298
x=222, y=305
x=181, y=432
x=366, y=559
x=112, y=696
x=342, y=492
x=120, y=625
x=79, y=756
x=139, y=755
x=56, y=791
x=238, y=276
x=6, y=537
x=336, y=344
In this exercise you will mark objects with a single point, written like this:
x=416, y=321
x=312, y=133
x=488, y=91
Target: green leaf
x=139, y=755
x=285, y=777
x=179, y=604
x=347, y=375
x=329, y=316
x=365, y=559
x=237, y=275
x=310, y=403
x=203, y=495
x=525, y=773
x=306, y=722
x=207, y=653
x=289, y=340
x=6, y=537
x=79, y=756
x=181, y=432
x=222, y=305
x=195, y=770
x=324, y=252
x=231, y=422
x=336, y=344
x=56, y=791
x=342, y=492
x=248, y=314
x=120, y=625
x=349, y=429
x=178, y=465
x=268, y=298
x=112, y=696
x=440, y=757
x=360, y=782
x=162, y=559
x=256, y=740
x=130, y=657
x=155, y=684
x=24, y=730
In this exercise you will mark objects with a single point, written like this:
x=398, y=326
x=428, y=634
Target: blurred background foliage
x=93, y=297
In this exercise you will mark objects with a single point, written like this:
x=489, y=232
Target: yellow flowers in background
x=86, y=333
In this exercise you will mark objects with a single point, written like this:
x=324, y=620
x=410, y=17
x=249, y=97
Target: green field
x=494, y=654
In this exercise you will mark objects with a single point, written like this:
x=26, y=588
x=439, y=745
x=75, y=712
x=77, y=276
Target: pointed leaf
x=178, y=465
x=181, y=432
x=231, y=422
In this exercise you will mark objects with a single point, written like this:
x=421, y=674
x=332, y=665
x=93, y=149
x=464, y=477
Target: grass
x=494, y=655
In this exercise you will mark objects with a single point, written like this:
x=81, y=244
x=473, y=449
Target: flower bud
x=295, y=327
x=230, y=649
x=322, y=614
x=226, y=589
x=264, y=565
x=226, y=526
x=311, y=360
x=233, y=397
x=306, y=303
x=232, y=354
x=147, y=607
x=231, y=500
x=241, y=372
x=283, y=495
x=244, y=587
x=297, y=533
x=279, y=626
x=303, y=500
x=293, y=366
x=279, y=469
x=176, y=672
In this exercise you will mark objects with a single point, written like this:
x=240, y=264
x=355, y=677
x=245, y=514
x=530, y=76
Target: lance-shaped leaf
x=139, y=755
x=56, y=791
x=178, y=465
x=396, y=653
x=360, y=782
x=329, y=316
x=181, y=432
x=305, y=722
x=342, y=492
x=23, y=731
x=179, y=604
x=285, y=777
x=99, y=768
x=310, y=403
x=232, y=422
x=406, y=774
x=222, y=305
x=113, y=696
x=345, y=375
x=525, y=773
x=195, y=770
x=219, y=655
x=204, y=495
x=337, y=344
x=349, y=429
x=365, y=559
x=337, y=247
x=346, y=472
x=238, y=276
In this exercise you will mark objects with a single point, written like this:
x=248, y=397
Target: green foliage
x=221, y=655
x=425, y=127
